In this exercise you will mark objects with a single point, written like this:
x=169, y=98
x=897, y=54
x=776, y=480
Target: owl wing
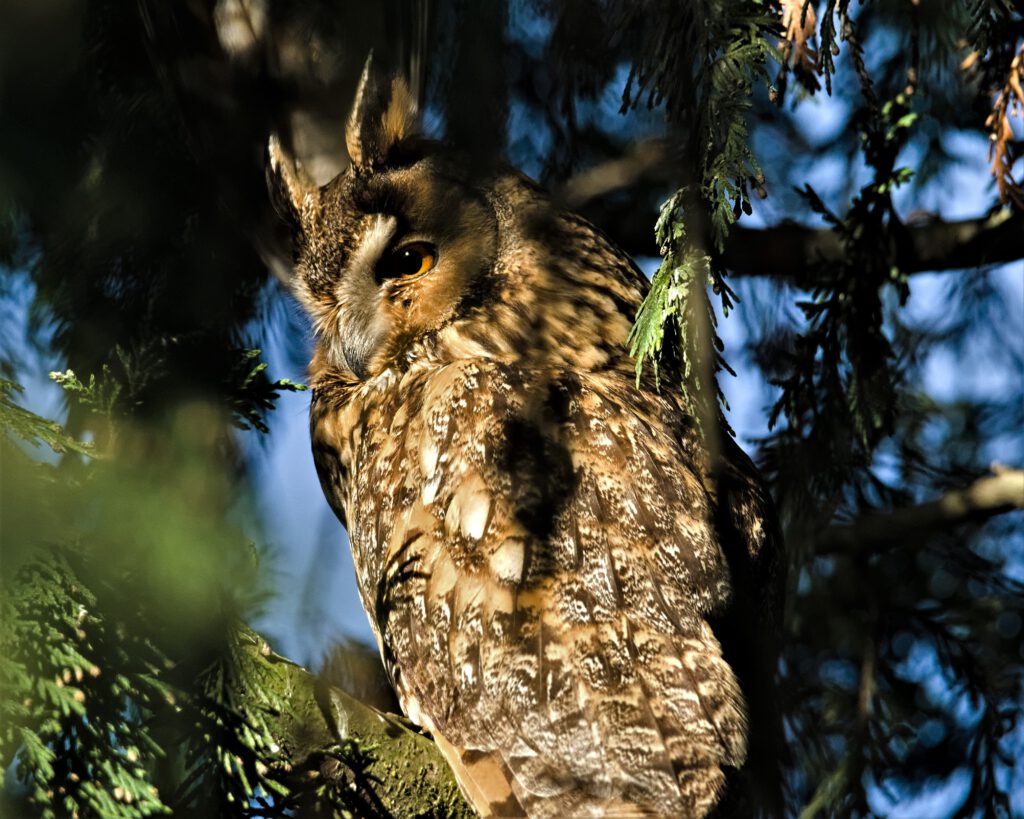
x=546, y=594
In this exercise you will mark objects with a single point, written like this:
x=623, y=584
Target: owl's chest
x=367, y=463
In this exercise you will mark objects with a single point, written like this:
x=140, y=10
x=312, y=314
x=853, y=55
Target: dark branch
x=788, y=251
x=983, y=499
x=795, y=252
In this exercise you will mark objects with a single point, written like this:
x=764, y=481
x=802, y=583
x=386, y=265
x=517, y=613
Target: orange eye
x=410, y=260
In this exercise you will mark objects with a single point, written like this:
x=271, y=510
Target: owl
x=569, y=593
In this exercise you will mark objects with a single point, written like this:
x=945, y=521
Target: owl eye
x=408, y=261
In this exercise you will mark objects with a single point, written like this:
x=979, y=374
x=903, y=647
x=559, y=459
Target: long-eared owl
x=569, y=593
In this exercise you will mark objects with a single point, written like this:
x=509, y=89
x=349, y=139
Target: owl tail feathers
x=492, y=788
x=384, y=115
x=485, y=780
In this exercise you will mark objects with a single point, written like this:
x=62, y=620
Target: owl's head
x=415, y=254
x=388, y=252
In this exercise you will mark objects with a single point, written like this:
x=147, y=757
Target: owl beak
x=361, y=337
x=355, y=354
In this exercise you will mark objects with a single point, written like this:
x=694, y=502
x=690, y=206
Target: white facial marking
x=374, y=243
x=358, y=317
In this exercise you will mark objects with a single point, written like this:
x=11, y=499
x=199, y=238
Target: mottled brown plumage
x=567, y=592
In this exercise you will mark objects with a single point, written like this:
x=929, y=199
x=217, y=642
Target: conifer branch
x=985, y=498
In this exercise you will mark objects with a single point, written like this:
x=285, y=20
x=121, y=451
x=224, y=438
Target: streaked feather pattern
x=542, y=581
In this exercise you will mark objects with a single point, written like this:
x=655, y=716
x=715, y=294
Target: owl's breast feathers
x=568, y=595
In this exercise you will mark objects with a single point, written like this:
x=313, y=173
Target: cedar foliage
x=134, y=222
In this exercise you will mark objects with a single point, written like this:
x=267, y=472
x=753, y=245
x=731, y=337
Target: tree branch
x=794, y=252
x=405, y=772
x=789, y=251
x=647, y=159
x=983, y=499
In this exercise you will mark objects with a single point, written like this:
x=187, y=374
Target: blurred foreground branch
x=649, y=158
x=985, y=498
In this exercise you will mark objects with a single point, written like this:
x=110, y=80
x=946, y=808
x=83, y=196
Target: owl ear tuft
x=384, y=114
x=292, y=192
